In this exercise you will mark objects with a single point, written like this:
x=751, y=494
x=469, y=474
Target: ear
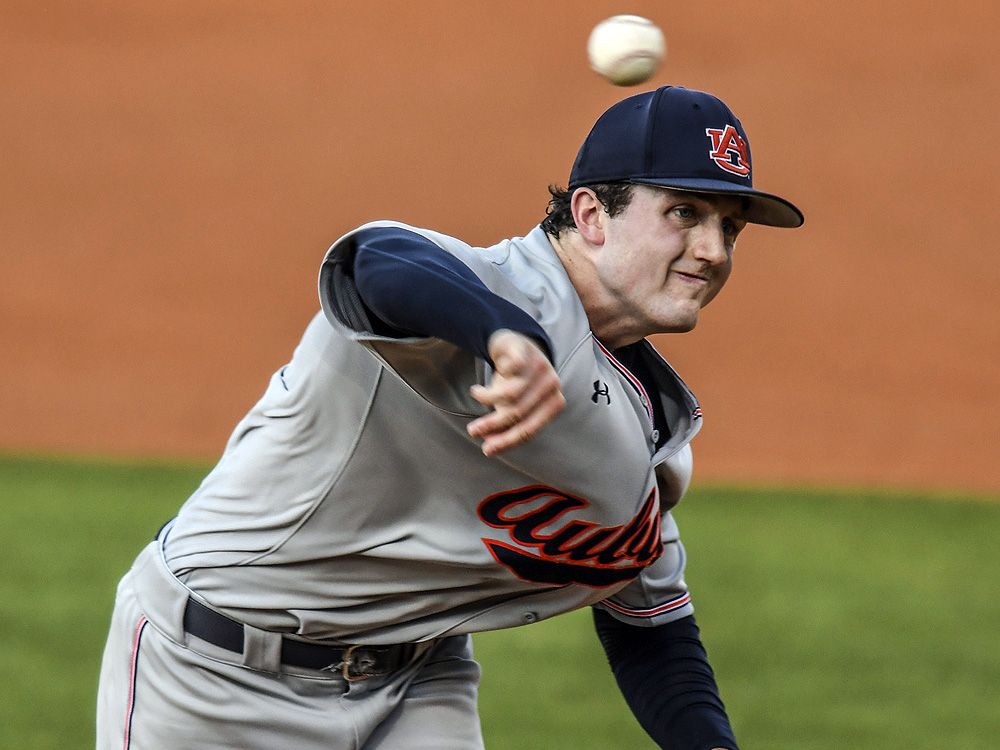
x=589, y=215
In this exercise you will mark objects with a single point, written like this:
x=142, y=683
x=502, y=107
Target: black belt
x=353, y=662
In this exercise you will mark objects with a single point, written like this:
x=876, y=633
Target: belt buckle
x=350, y=661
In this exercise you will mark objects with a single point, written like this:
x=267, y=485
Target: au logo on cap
x=729, y=150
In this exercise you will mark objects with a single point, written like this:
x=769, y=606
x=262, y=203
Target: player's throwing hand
x=524, y=393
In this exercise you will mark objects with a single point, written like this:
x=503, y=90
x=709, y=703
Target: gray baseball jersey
x=350, y=503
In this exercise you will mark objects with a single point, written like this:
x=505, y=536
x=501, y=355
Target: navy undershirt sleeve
x=413, y=287
x=664, y=675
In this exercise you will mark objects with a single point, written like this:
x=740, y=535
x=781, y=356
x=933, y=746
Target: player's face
x=666, y=256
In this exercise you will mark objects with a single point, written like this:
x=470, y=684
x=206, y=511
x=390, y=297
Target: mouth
x=692, y=278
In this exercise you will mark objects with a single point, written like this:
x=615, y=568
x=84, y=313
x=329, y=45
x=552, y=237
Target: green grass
x=834, y=619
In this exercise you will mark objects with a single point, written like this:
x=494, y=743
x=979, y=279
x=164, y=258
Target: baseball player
x=464, y=439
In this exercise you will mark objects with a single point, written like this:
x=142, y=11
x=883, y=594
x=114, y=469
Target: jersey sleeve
x=417, y=335
x=659, y=594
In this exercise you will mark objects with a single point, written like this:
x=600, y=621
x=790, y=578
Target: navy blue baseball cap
x=678, y=138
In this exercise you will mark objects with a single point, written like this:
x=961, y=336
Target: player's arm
x=413, y=287
x=664, y=675
x=410, y=286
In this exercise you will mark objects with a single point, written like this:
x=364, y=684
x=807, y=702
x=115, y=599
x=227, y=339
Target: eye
x=684, y=212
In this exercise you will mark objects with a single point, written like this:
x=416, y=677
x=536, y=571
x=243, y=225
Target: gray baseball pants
x=163, y=688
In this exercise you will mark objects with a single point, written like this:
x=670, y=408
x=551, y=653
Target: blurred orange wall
x=173, y=174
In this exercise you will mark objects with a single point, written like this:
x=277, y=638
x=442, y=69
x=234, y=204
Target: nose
x=710, y=245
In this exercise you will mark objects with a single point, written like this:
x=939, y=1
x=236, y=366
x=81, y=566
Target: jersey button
x=529, y=617
x=654, y=435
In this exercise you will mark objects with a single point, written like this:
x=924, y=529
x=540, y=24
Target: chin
x=689, y=326
x=680, y=326
x=679, y=317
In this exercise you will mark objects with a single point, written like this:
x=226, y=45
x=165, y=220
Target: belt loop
x=261, y=649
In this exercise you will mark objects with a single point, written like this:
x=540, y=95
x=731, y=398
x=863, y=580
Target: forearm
x=416, y=288
x=664, y=675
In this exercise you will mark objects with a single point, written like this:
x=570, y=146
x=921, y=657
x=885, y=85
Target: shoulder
x=342, y=245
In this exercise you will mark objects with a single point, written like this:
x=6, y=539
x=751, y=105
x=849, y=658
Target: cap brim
x=761, y=208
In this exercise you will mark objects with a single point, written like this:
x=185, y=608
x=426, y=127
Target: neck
x=607, y=323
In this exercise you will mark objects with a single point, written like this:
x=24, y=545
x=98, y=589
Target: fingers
x=516, y=418
x=509, y=430
x=524, y=394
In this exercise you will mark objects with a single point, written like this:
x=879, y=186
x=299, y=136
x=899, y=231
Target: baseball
x=626, y=50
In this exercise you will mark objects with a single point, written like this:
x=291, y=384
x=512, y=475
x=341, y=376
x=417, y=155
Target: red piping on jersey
x=653, y=612
x=133, y=669
x=632, y=379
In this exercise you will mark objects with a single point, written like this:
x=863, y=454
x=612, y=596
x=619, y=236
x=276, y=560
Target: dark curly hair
x=614, y=196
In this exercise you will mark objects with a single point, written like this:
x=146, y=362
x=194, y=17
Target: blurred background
x=174, y=173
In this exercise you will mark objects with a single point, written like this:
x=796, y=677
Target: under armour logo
x=729, y=150
x=600, y=389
